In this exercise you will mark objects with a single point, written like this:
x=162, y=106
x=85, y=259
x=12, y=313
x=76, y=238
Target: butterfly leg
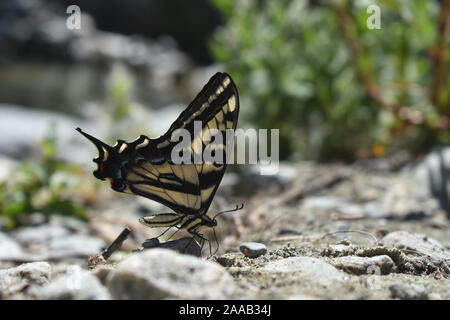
x=159, y=220
x=203, y=240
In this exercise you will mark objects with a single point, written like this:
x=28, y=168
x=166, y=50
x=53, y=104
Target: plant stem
x=439, y=60
x=406, y=114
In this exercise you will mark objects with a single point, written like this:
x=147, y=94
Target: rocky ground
x=366, y=231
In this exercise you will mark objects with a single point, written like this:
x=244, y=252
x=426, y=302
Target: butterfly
x=145, y=167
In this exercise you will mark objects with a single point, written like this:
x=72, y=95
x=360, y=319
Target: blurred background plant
x=122, y=115
x=47, y=186
x=336, y=89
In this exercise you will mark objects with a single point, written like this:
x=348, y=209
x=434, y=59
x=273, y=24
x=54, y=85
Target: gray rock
x=431, y=176
x=310, y=269
x=54, y=241
x=324, y=202
x=336, y=204
x=417, y=242
x=41, y=234
x=252, y=249
x=161, y=273
x=408, y=292
x=365, y=265
x=48, y=242
x=405, y=200
x=74, y=284
x=21, y=128
x=75, y=245
x=9, y=249
x=17, y=279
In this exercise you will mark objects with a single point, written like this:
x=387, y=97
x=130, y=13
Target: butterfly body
x=145, y=166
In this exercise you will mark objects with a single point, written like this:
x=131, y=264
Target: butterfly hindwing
x=144, y=167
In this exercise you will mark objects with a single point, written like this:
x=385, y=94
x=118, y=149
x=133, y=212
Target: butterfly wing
x=144, y=167
x=216, y=107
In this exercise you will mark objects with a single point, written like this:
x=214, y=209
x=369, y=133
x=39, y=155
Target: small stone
x=365, y=265
x=252, y=249
x=408, y=292
x=161, y=273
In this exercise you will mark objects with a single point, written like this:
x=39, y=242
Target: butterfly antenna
x=232, y=210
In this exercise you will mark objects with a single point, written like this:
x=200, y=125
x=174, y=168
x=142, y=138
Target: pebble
x=365, y=265
x=408, y=292
x=252, y=249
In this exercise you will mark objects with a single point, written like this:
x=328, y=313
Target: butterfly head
x=208, y=222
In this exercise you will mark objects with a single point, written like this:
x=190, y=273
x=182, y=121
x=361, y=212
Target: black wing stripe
x=163, y=200
x=184, y=187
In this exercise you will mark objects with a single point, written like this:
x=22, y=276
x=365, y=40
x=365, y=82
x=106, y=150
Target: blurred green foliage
x=335, y=88
x=47, y=186
x=124, y=117
x=119, y=99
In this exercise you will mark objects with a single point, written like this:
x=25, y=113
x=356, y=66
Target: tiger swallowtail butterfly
x=145, y=168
